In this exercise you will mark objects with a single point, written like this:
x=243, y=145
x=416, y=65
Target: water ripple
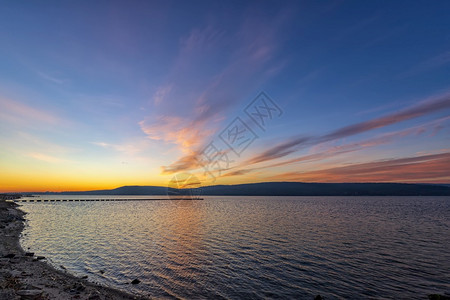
x=252, y=247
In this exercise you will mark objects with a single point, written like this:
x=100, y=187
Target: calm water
x=252, y=247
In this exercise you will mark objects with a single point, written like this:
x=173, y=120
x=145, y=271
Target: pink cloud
x=427, y=168
x=20, y=113
x=199, y=100
x=186, y=134
x=333, y=151
x=289, y=146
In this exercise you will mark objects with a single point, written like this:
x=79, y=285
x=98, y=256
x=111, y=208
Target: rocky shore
x=25, y=276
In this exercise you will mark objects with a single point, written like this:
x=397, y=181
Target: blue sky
x=96, y=95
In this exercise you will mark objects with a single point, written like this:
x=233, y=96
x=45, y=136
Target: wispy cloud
x=333, y=151
x=186, y=162
x=296, y=143
x=435, y=62
x=426, y=168
x=19, y=113
x=128, y=149
x=47, y=158
x=432, y=63
x=162, y=93
x=41, y=144
x=50, y=78
x=425, y=107
x=200, y=97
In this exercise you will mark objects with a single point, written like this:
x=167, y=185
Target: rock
x=62, y=267
x=102, y=271
x=29, y=254
x=73, y=292
x=318, y=297
x=136, y=281
x=40, y=257
x=14, y=260
x=438, y=297
x=29, y=294
x=84, y=277
x=79, y=286
x=7, y=294
x=11, y=255
x=94, y=295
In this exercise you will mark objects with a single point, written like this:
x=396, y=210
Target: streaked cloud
x=50, y=78
x=426, y=168
x=47, y=158
x=20, y=113
x=184, y=163
x=294, y=144
x=333, y=151
x=437, y=61
x=127, y=148
x=196, y=104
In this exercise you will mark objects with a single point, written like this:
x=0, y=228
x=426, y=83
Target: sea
x=249, y=247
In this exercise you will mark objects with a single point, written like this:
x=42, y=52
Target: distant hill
x=288, y=189
x=124, y=190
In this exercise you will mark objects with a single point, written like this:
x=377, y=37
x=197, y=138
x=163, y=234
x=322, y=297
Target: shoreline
x=24, y=276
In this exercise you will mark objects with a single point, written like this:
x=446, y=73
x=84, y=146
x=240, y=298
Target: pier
x=101, y=199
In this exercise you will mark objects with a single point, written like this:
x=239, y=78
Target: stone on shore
x=438, y=297
x=29, y=294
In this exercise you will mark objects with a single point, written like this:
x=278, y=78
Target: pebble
x=29, y=294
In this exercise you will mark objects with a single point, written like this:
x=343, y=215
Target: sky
x=101, y=94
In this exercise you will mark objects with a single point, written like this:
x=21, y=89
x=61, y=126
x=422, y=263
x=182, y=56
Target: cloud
x=425, y=107
x=184, y=133
x=281, y=150
x=19, y=113
x=46, y=157
x=437, y=61
x=162, y=93
x=200, y=39
x=294, y=144
x=128, y=149
x=51, y=78
x=426, y=168
x=41, y=144
x=200, y=96
x=186, y=162
x=432, y=127
x=239, y=172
